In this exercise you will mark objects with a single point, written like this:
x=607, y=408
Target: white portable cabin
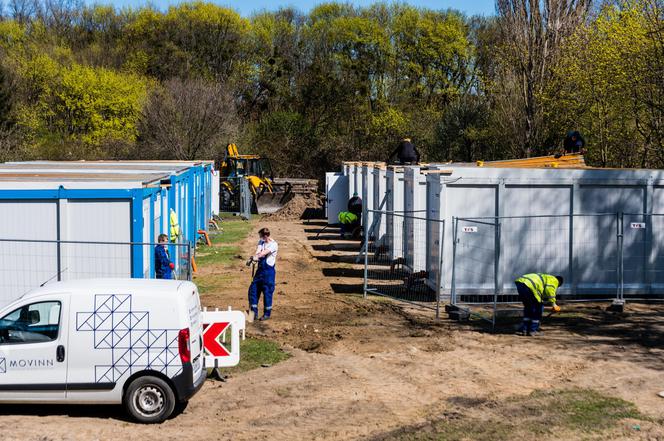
x=193, y=192
x=85, y=208
x=415, y=206
x=349, y=169
x=379, y=199
x=354, y=172
x=582, y=248
x=367, y=184
x=336, y=195
x=113, y=205
x=394, y=177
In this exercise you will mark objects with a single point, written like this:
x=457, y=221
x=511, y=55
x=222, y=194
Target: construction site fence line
x=397, y=264
x=539, y=216
x=604, y=256
x=619, y=253
x=85, y=242
x=26, y=264
x=401, y=214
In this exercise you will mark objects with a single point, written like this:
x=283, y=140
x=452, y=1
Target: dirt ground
x=368, y=369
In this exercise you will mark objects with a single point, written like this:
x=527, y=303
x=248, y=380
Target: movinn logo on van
x=31, y=363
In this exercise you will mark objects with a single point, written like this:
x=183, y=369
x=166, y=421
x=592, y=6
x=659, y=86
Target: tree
x=532, y=33
x=187, y=119
x=434, y=55
x=6, y=98
x=23, y=10
x=199, y=39
x=79, y=110
x=610, y=85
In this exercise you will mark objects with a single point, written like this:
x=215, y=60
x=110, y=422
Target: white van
x=104, y=341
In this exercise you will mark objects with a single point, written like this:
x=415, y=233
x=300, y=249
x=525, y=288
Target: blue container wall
x=189, y=195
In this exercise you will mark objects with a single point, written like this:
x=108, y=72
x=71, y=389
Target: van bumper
x=186, y=385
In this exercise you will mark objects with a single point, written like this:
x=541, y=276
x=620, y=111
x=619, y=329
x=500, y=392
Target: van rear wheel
x=149, y=400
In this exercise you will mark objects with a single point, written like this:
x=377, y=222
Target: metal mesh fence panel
x=398, y=262
x=229, y=195
x=642, y=268
x=596, y=257
x=235, y=197
x=475, y=264
x=603, y=256
x=583, y=249
x=246, y=200
x=532, y=245
x=27, y=264
x=635, y=266
x=586, y=250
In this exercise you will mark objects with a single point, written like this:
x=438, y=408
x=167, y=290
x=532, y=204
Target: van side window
x=34, y=323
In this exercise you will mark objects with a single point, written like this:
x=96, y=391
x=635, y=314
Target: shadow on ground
x=641, y=325
x=74, y=411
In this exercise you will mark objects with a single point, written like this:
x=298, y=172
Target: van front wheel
x=149, y=400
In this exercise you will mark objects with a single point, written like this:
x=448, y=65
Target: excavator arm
x=269, y=194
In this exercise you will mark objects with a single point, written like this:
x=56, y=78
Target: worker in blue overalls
x=163, y=266
x=263, y=282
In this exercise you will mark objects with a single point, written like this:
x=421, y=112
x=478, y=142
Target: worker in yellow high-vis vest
x=535, y=290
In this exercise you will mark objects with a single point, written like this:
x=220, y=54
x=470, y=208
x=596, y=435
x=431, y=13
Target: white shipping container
x=583, y=249
x=415, y=200
x=395, y=206
x=379, y=200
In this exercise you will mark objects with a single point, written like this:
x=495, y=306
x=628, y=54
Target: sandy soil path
x=361, y=368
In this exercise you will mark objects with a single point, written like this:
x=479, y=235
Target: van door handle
x=60, y=354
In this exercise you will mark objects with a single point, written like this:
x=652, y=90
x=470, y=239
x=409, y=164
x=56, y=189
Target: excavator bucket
x=270, y=202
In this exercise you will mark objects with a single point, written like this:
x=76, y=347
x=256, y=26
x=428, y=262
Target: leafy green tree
x=434, y=54
x=190, y=39
x=89, y=107
x=608, y=87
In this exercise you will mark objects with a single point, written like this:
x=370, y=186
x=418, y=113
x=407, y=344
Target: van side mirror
x=34, y=317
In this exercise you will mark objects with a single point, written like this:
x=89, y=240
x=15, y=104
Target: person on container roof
x=406, y=153
x=574, y=142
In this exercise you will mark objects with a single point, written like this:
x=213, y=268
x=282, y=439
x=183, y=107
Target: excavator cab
x=267, y=197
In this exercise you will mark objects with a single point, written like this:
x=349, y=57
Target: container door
x=33, y=350
x=336, y=191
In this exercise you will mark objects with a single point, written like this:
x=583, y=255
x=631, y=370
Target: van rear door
x=193, y=302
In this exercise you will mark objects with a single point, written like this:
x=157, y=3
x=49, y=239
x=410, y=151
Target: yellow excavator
x=268, y=194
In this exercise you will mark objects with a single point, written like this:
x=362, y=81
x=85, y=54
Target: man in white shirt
x=263, y=282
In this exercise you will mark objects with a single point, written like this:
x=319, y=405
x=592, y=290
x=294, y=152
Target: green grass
x=234, y=230
x=224, y=247
x=211, y=283
x=255, y=352
x=585, y=412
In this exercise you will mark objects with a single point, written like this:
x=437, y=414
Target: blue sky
x=246, y=7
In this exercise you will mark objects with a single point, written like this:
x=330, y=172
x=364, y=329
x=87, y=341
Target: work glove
x=171, y=265
x=556, y=308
